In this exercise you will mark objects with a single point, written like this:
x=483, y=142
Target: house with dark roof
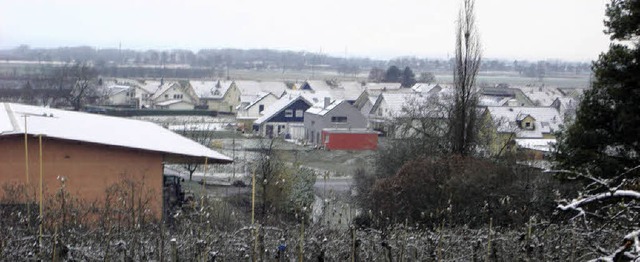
x=283, y=118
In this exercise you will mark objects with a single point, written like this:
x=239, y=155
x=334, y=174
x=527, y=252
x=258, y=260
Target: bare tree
x=75, y=83
x=200, y=133
x=467, y=62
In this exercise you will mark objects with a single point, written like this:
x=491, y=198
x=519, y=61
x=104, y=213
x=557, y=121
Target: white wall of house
x=182, y=105
x=343, y=115
x=295, y=130
x=119, y=98
x=254, y=110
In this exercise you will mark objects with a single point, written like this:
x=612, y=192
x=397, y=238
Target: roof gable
x=279, y=106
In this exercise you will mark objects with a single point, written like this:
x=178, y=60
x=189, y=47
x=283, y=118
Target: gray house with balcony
x=336, y=114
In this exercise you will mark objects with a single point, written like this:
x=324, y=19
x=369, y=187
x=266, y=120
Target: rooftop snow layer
x=320, y=109
x=99, y=129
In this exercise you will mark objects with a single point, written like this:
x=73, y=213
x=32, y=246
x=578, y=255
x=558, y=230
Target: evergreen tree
x=604, y=140
x=393, y=75
x=408, y=77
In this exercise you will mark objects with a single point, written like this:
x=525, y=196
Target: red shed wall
x=350, y=141
x=89, y=169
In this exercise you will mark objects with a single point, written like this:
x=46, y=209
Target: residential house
x=220, y=96
x=249, y=113
x=540, y=95
x=401, y=114
x=120, y=95
x=130, y=93
x=529, y=128
x=567, y=107
x=174, y=95
x=90, y=153
x=365, y=102
x=249, y=90
x=340, y=119
x=283, y=118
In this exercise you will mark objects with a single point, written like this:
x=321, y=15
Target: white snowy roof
x=172, y=101
x=150, y=86
x=547, y=120
x=116, y=89
x=104, y=130
x=426, y=88
x=162, y=89
x=257, y=99
x=485, y=100
x=384, y=86
x=543, y=145
x=210, y=89
x=256, y=87
x=320, y=109
x=541, y=95
x=277, y=107
x=396, y=101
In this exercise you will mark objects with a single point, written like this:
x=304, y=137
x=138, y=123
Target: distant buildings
x=279, y=108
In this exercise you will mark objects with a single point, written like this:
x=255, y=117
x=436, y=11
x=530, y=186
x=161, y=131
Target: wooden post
x=26, y=171
x=301, y=256
x=204, y=181
x=41, y=193
x=253, y=196
x=174, y=250
x=353, y=244
x=489, y=240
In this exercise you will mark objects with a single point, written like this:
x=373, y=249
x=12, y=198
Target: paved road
x=333, y=184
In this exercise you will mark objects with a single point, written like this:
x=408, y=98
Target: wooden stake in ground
x=41, y=193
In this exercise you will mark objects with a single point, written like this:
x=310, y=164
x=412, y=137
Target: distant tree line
x=112, y=61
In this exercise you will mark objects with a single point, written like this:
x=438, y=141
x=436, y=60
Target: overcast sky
x=509, y=29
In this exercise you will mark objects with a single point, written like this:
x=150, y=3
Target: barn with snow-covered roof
x=91, y=152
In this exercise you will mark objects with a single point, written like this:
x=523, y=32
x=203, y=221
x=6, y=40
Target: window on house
x=338, y=119
x=527, y=124
x=288, y=113
x=299, y=113
x=166, y=96
x=260, y=108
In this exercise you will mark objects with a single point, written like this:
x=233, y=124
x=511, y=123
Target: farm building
x=89, y=152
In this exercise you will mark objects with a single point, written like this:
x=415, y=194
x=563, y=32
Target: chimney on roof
x=327, y=101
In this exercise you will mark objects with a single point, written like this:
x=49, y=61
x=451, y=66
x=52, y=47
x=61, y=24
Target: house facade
x=526, y=128
x=251, y=112
x=328, y=114
x=172, y=91
x=283, y=118
x=219, y=96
